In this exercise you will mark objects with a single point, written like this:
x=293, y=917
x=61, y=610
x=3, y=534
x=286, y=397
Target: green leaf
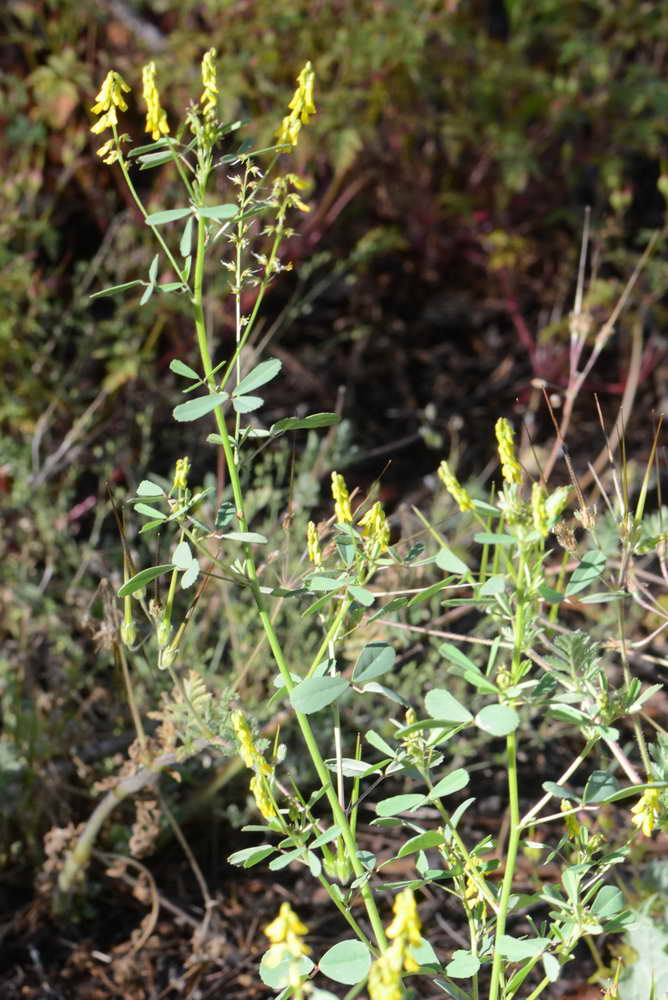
x=490, y=538
x=260, y=375
x=326, y=837
x=551, y=966
x=160, y=143
x=559, y=791
x=516, y=950
x=151, y=160
x=153, y=269
x=567, y=713
x=306, y=423
x=324, y=583
x=494, y=585
x=218, y=212
x=441, y=705
x=198, y=407
x=186, y=242
x=609, y=901
x=148, y=292
x=139, y=580
x=246, y=404
x=251, y=537
x=315, y=693
x=362, y=595
x=179, y=368
x=148, y=489
x=498, y=720
x=276, y=977
x=452, y=782
x=346, y=962
x=171, y=215
x=224, y=515
x=378, y=743
x=182, y=556
x=600, y=786
x=399, y=803
x=450, y=563
x=250, y=856
x=591, y=566
x=550, y=595
x=423, y=841
x=463, y=965
x=190, y=575
x=143, y=508
x=466, y=668
x=375, y=659
x=115, y=289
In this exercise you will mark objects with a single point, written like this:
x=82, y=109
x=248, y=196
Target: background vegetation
x=454, y=151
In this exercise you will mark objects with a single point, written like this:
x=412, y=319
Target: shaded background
x=454, y=151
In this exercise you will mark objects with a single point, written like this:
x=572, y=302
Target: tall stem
x=338, y=813
x=511, y=859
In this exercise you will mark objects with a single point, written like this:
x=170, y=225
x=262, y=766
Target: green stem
x=251, y=572
x=511, y=859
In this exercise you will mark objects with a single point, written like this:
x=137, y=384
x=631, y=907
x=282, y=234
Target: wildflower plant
x=522, y=670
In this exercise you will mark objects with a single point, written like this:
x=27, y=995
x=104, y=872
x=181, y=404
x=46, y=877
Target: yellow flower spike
x=209, y=98
x=247, y=750
x=156, y=116
x=313, y=545
x=260, y=791
x=539, y=510
x=406, y=921
x=341, y=499
x=301, y=107
x=287, y=927
x=375, y=527
x=385, y=974
x=511, y=470
x=647, y=811
x=454, y=487
x=111, y=94
x=181, y=473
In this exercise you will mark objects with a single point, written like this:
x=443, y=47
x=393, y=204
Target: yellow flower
x=260, y=791
x=511, y=470
x=181, y=473
x=454, y=487
x=156, y=117
x=301, y=107
x=108, y=152
x=341, y=499
x=286, y=934
x=209, y=96
x=313, y=545
x=111, y=93
x=107, y=100
x=539, y=510
x=647, y=811
x=375, y=528
x=248, y=752
x=385, y=974
x=406, y=921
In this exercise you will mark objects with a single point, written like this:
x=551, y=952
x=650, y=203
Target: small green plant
x=524, y=669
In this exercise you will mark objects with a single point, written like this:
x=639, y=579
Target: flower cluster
x=209, y=98
x=313, y=545
x=109, y=98
x=647, y=811
x=375, y=529
x=286, y=934
x=260, y=786
x=341, y=498
x=461, y=497
x=511, y=470
x=301, y=108
x=181, y=474
x=156, y=117
x=404, y=932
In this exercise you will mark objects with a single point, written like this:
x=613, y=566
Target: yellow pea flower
x=156, y=116
x=375, y=528
x=313, y=545
x=209, y=98
x=109, y=97
x=341, y=499
x=511, y=470
x=461, y=496
x=301, y=107
x=647, y=811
